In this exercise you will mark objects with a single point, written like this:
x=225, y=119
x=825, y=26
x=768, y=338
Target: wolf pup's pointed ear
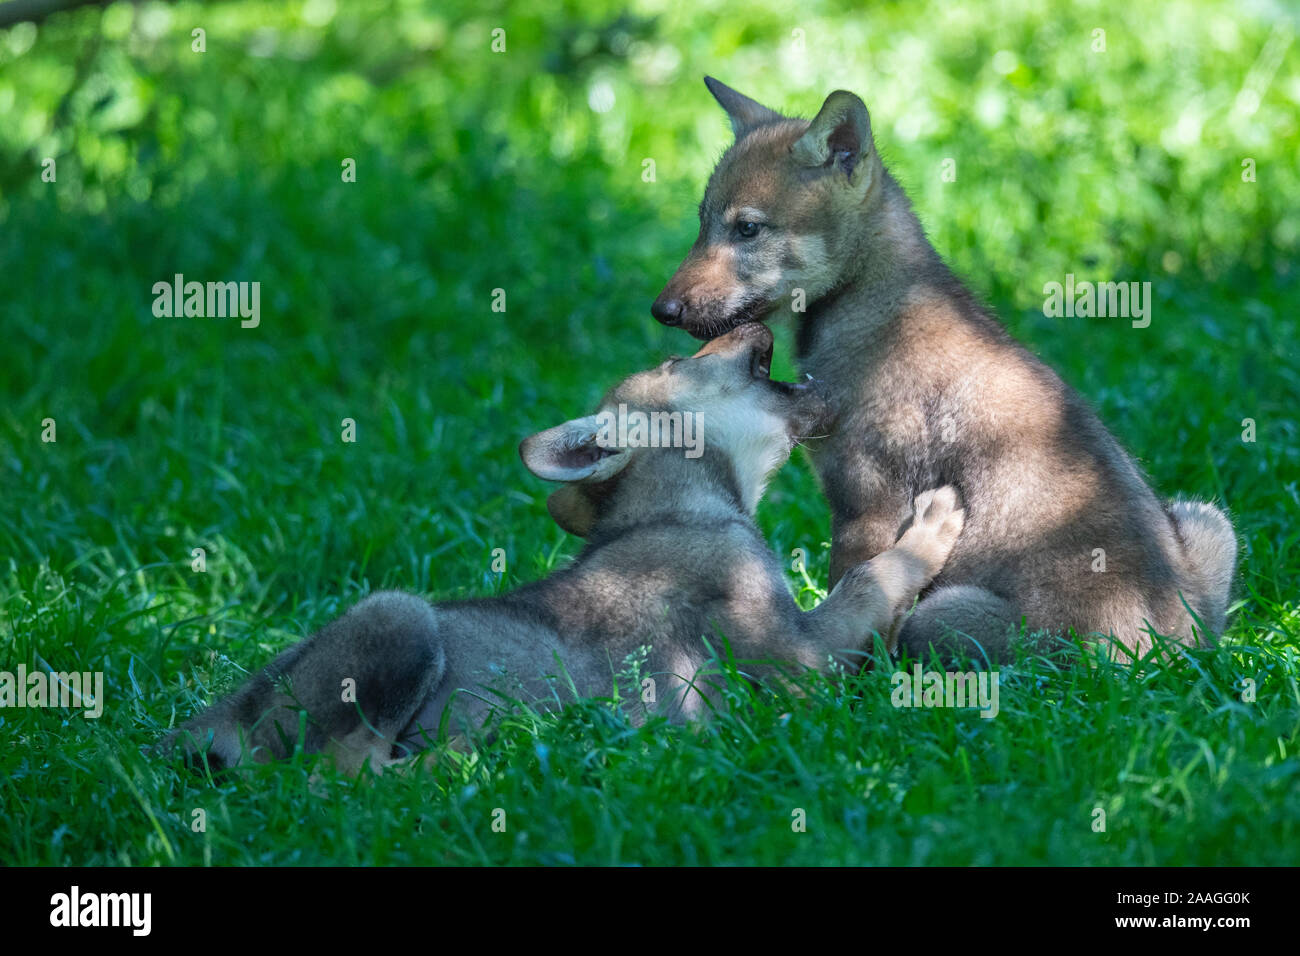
x=839, y=134
x=744, y=113
x=572, y=452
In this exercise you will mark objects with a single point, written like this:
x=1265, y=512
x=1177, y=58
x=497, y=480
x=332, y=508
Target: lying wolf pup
x=1061, y=526
x=672, y=555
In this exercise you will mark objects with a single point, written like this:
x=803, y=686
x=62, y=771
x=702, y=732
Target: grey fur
x=673, y=556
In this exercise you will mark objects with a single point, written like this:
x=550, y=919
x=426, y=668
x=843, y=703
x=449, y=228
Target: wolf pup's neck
x=668, y=490
x=891, y=259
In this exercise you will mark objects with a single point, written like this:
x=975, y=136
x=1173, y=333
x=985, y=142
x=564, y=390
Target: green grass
x=478, y=171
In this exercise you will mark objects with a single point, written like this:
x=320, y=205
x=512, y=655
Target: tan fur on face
x=725, y=279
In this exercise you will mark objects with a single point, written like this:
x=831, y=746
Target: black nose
x=667, y=311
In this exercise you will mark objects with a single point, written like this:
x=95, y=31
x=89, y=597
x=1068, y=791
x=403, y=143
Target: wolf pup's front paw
x=936, y=524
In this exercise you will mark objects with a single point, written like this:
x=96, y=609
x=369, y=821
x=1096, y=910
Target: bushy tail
x=1209, y=558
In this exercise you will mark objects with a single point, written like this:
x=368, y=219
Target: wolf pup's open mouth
x=755, y=311
x=809, y=413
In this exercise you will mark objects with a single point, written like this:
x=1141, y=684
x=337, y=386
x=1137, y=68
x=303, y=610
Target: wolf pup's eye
x=746, y=229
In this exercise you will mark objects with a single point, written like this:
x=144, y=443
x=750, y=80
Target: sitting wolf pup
x=673, y=555
x=1062, y=529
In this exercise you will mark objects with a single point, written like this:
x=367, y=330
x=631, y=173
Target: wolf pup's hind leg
x=958, y=623
x=359, y=681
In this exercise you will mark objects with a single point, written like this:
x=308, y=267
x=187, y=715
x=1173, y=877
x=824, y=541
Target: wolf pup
x=673, y=555
x=1062, y=529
